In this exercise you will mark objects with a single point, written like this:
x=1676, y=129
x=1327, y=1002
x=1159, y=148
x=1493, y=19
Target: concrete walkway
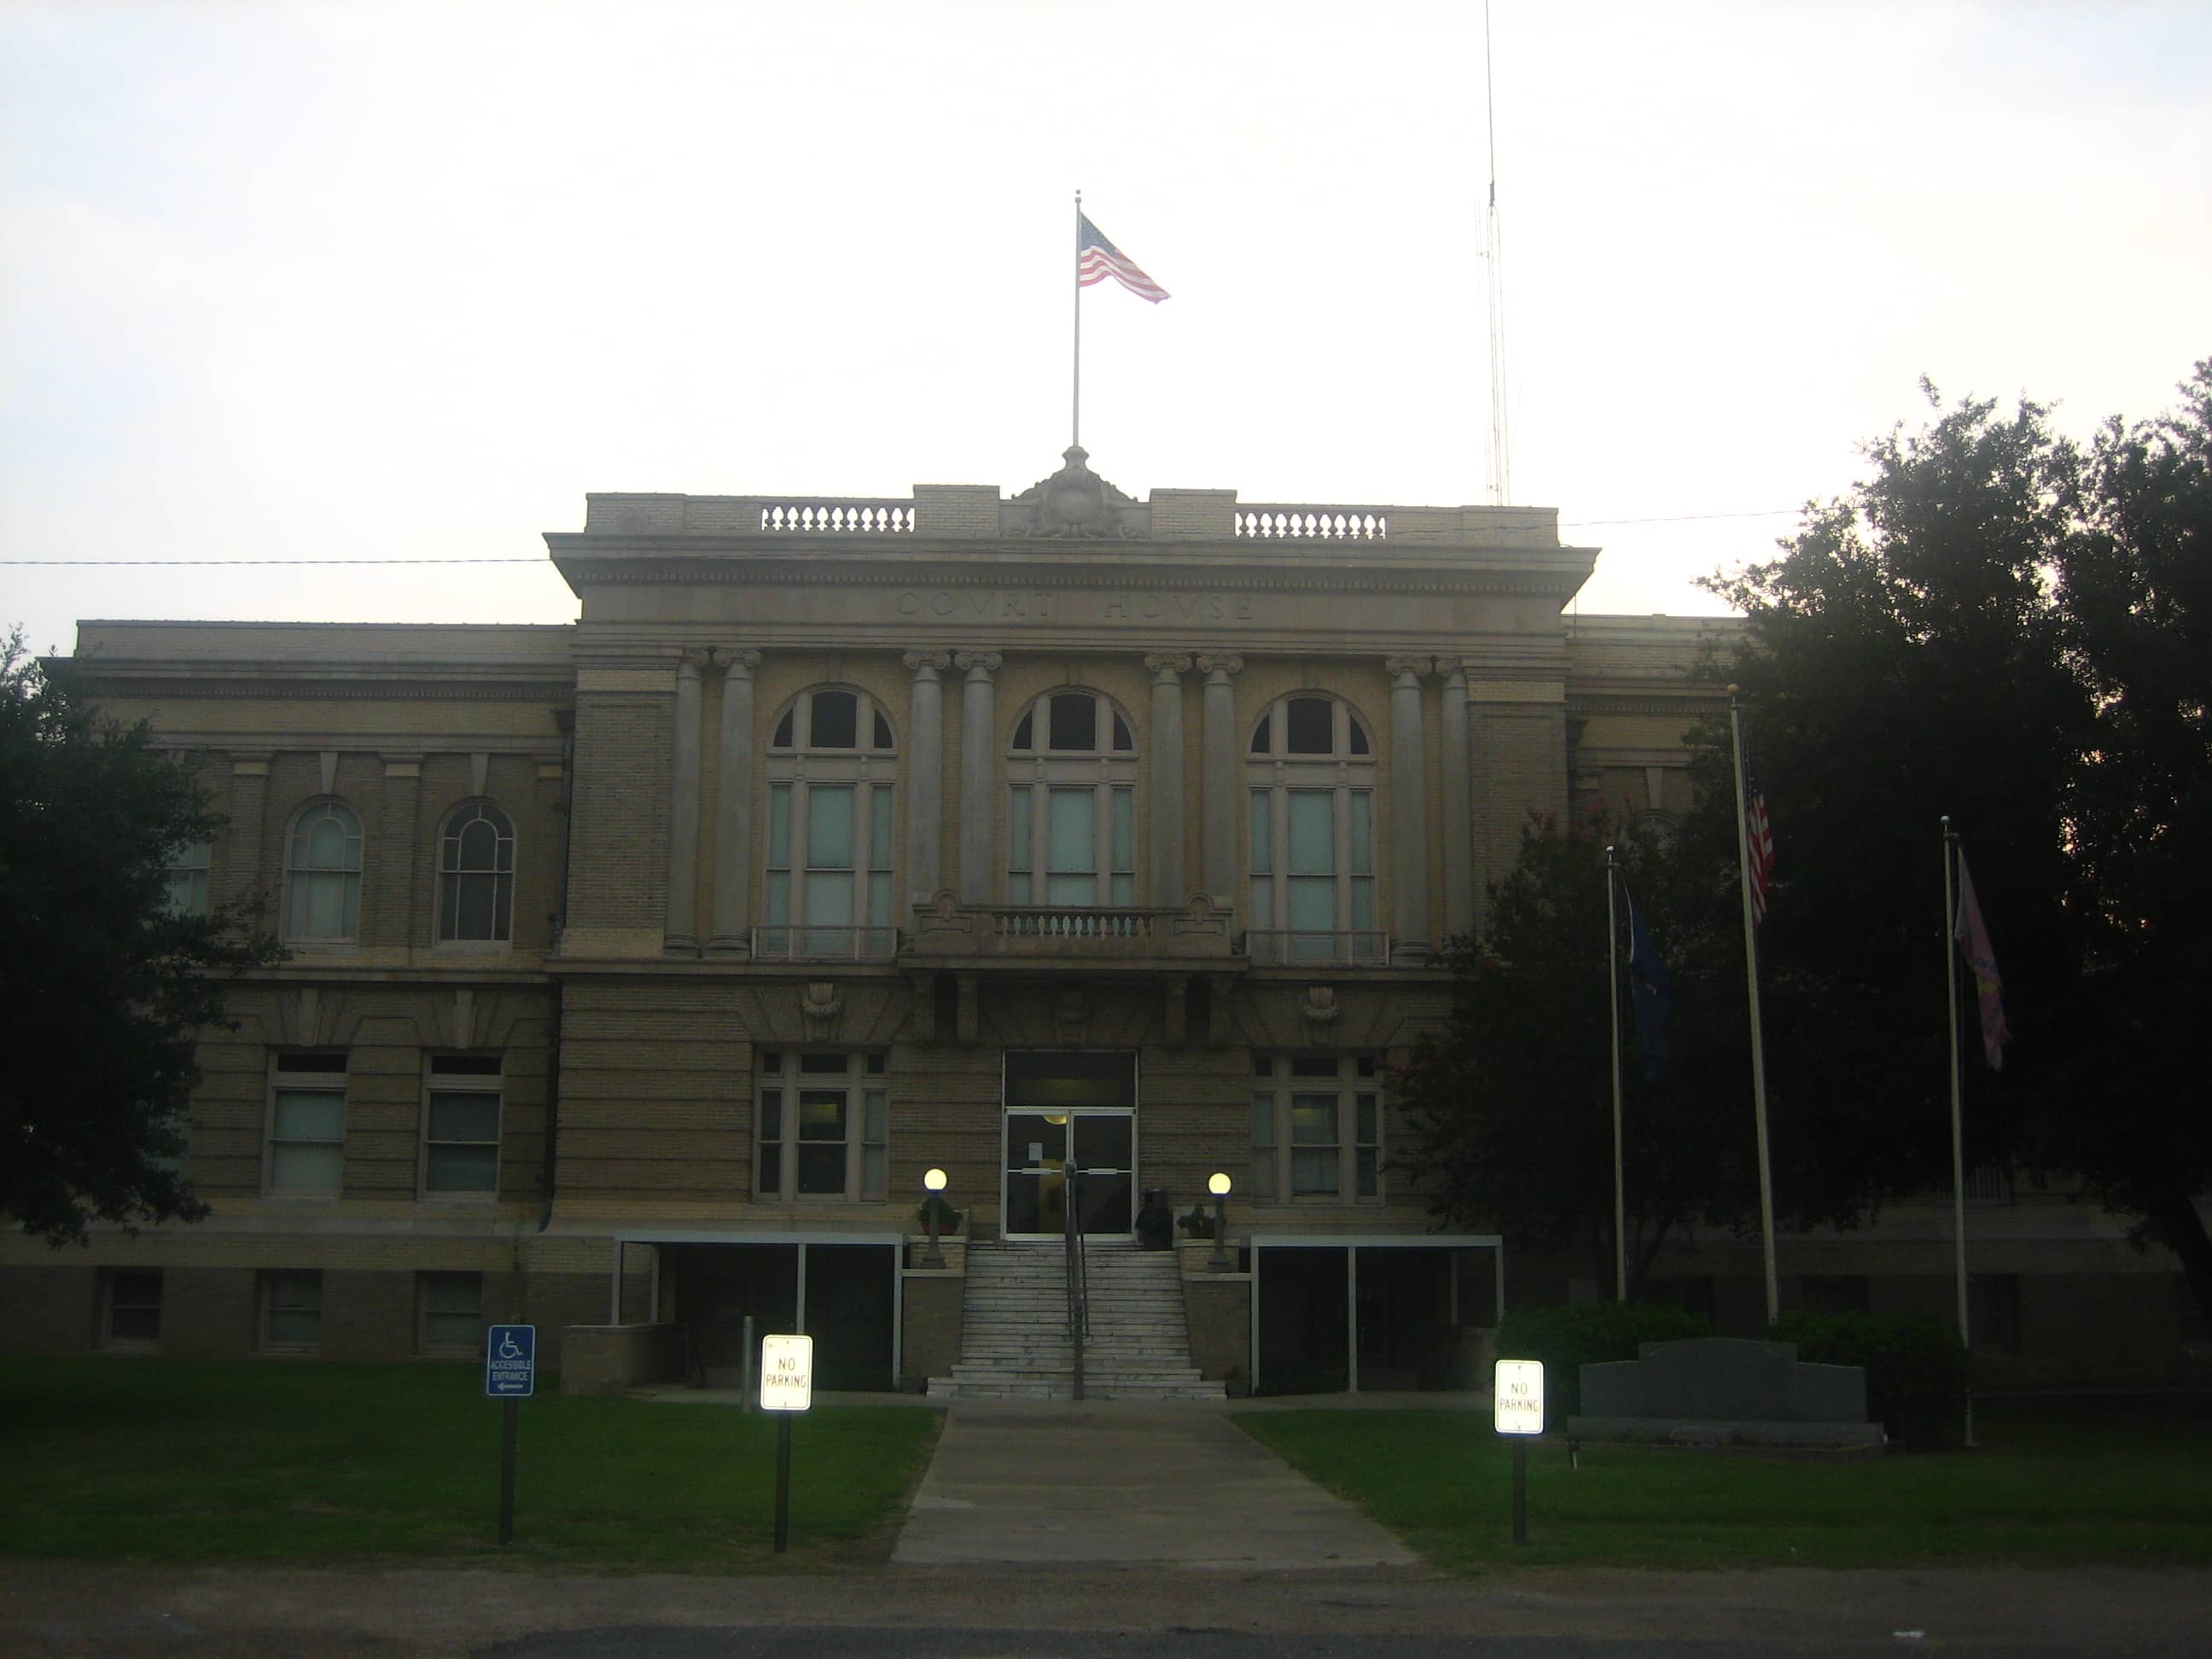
x=1104, y=1483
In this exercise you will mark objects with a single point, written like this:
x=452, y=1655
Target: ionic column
x=1459, y=823
x=1409, y=811
x=1167, y=816
x=925, y=776
x=681, y=932
x=734, y=809
x=978, y=750
x=1218, y=787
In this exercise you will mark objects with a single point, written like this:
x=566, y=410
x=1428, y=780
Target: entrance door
x=1070, y=1111
x=1042, y=1147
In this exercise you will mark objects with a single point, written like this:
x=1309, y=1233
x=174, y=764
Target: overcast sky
x=362, y=280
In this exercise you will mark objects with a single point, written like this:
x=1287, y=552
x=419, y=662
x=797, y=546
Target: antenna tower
x=1494, y=255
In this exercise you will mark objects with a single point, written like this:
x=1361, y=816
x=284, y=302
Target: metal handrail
x=1079, y=1275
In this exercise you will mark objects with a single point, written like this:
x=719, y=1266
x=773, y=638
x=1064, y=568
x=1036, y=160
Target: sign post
x=1517, y=1410
x=786, y=1387
x=510, y=1378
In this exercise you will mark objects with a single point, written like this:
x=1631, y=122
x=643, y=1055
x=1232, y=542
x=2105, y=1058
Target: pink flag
x=1973, y=940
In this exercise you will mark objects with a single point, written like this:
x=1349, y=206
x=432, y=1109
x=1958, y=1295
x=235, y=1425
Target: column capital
x=919, y=663
x=692, y=660
x=1413, y=668
x=1219, y=665
x=737, y=662
x=1453, y=669
x=975, y=663
x=1167, y=667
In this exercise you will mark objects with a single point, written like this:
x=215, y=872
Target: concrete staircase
x=1014, y=1327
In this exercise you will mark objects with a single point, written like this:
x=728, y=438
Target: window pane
x=300, y=1290
x=771, y=1170
x=312, y=1168
x=1263, y=1119
x=309, y=1115
x=327, y=846
x=464, y=1117
x=1313, y=1066
x=1362, y=902
x=778, y=898
x=880, y=900
x=1313, y=832
x=1074, y=830
x=451, y=1330
x=452, y=1293
x=1358, y=734
x=1311, y=723
x=1263, y=903
x=836, y=720
x=879, y=1115
x=134, y=1324
x=1313, y=905
x=1370, y=1185
x=1313, y=1120
x=882, y=731
x=462, y=1170
x=1362, y=832
x=1074, y=716
x=1124, y=830
x=1313, y=1171
x=476, y=847
x=830, y=827
x=295, y=1329
x=779, y=827
x=1263, y=830
x=821, y=1169
x=475, y=906
x=1017, y=829
x=782, y=738
x=188, y=892
x=872, y=1173
x=1368, y=1124
x=830, y=900
x=464, y=1065
x=824, y=1064
x=1124, y=743
x=822, y=1114
x=772, y=1115
x=1071, y=889
x=1022, y=738
x=1124, y=890
x=879, y=828
x=1018, y=889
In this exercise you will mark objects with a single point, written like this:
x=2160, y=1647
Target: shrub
x=1567, y=1338
x=1915, y=1367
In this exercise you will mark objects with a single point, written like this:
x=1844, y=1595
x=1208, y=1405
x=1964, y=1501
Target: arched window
x=1311, y=778
x=1071, y=804
x=830, y=831
x=476, y=874
x=322, y=876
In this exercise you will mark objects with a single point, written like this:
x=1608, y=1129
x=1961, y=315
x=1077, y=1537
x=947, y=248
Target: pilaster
x=681, y=932
x=978, y=770
x=924, y=776
x=1166, y=777
x=1217, y=787
x=1409, y=811
x=734, y=809
x=1458, y=825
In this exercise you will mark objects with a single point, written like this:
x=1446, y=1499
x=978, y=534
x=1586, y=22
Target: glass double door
x=1043, y=1149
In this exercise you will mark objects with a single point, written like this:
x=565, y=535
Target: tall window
x=1317, y=1127
x=188, y=877
x=823, y=1124
x=133, y=1314
x=460, y=1125
x=449, y=1313
x=1311, y=778
x=306, y=1123
x=476, y=874
x=1071, y=806
x=323, y=874
x=291, y=1311
x=830, y=829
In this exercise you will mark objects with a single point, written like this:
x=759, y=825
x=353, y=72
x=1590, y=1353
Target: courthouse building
x=639, y=969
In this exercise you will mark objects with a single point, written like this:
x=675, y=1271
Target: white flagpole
x=1958, y=1094
x=1613, y=981
x=1075, y=436
x=1758, y=1045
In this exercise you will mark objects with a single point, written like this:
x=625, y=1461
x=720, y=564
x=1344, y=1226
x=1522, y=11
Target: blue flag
x=1652, y=992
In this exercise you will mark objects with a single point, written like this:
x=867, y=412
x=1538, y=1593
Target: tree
x=110, y=985
x=2001, y=626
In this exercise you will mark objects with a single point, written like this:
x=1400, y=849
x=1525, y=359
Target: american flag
x=1759, y=838
x=1097, y=258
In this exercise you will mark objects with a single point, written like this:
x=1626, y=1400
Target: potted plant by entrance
x=1233, y=1383
x=1198, y=1224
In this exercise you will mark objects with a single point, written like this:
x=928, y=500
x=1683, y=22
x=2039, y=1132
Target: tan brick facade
x=628, y=1030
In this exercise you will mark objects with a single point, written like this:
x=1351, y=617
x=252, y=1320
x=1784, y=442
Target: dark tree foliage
x=2002, y=626
x=107, y=989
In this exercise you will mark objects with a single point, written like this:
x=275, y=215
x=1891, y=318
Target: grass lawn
x=168, y=1460
x=2113, y=1481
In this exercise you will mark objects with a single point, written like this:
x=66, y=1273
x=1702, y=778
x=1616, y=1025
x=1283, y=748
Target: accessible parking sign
x=511, y=1362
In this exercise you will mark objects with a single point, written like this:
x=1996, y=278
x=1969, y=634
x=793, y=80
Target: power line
x=185, y=564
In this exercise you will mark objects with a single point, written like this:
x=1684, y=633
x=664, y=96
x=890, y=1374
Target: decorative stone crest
x=1071, y=1015
x=1319, y=1011
x=820, y=1006
x=1075, y=504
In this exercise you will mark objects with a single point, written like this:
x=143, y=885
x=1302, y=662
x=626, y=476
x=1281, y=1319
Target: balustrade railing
x=1359, y=947
x=824, y=943
x=1324, y=524
x=838, y=518
x=1070, y=922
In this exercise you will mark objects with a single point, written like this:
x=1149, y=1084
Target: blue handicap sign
x=511, y=1361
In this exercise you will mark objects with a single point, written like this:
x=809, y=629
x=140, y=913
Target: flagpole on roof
x=1075, y=433
x=1758, y=1045
x=1958, y=1092
x=1613, y=983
